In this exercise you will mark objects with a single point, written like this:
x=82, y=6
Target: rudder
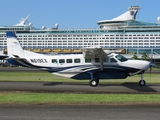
x=13, y=46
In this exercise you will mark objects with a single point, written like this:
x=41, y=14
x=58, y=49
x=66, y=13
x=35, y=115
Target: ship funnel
x=129, y=15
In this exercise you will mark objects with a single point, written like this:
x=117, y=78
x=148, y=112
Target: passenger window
x=113, y=60
x=87, y=60
x=105, y=59
x=77, y=60
x=61, y=61
x=69, y=60
x=54, y=60
x=97, y=60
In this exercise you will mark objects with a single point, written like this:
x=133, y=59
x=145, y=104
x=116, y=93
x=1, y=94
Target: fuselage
x=75, y=66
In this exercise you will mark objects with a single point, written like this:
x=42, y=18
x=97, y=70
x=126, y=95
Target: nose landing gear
x=142, y=82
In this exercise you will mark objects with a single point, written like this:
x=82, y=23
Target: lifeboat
x=123, y=51
x=57, y=50
x=28, y=49
x=36, y=50
x=67, y=50
x=77, y=50
x=5, y=51
x=47, y=50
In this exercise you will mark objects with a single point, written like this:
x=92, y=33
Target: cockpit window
x=121, y=58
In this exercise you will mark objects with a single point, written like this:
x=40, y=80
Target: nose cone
x=143, y=65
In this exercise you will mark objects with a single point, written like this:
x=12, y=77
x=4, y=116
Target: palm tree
x=145, y=56
x=135, y=57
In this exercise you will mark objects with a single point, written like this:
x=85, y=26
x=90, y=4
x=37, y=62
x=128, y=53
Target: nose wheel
x=142, y=82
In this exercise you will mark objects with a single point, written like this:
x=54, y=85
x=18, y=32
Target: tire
x=142, y=82
x=94, y=83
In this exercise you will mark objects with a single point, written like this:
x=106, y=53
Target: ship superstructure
x=123, y=34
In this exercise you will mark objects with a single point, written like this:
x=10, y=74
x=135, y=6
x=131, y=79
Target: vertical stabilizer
x=13, y=46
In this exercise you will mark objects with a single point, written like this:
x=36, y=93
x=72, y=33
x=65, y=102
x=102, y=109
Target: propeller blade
x=150, y=70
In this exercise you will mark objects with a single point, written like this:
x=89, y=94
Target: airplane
x=94, y=63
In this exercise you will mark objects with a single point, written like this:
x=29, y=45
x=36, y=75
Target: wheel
x=142, y=82
x=94, y=83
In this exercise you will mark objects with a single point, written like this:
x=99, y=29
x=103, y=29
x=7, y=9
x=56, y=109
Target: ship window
x=69, y=60
x=61, y=61
x=147, y=51
x=77, y=60
x=146, y=43
x=87, y=60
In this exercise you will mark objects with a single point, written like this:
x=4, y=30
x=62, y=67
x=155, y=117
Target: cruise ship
x=123, y=34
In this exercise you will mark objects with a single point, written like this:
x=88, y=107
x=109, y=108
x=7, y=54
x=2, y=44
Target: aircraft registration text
x=38, y=60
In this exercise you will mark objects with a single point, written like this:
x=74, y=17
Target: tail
x=13, y=46
x=15, y=49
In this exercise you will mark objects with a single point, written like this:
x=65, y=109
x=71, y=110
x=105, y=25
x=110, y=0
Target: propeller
x=150, y=66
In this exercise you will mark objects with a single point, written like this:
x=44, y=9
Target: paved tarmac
x=79, y=112
x=78, y=87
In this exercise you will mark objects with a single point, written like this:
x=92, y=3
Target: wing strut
x=101, y=62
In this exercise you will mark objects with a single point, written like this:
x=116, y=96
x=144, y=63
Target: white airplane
x=93, y=64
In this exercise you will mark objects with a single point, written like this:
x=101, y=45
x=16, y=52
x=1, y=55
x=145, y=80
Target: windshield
x=121, y=58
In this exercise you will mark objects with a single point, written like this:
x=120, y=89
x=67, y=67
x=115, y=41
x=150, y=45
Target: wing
x=95, y=53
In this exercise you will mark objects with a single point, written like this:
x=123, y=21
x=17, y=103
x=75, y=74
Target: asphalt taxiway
x=79, y=112
x=78, y=87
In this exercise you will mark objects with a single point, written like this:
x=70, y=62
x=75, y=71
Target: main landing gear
x=94, y=82
x=142, y=82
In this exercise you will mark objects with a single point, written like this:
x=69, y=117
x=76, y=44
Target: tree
x=145, y=56
x=135, y=57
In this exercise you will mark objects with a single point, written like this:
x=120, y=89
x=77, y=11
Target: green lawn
x=71, y=98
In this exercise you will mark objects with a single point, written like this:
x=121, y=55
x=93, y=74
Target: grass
x=17, y=97
x=54, y=98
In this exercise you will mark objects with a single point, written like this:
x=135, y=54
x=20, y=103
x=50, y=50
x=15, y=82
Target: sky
x=73, y=13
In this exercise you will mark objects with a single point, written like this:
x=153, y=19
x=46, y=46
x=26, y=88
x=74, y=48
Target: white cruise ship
x=123, y=34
